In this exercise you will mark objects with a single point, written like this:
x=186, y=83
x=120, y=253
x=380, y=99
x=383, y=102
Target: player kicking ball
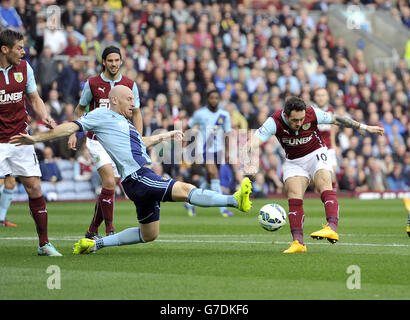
x=146, y=189
x=307, y=157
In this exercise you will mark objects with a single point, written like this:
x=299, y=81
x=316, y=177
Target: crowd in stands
x=254, y=55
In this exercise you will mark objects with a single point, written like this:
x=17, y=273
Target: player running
x=95, y=94
x=307, y=157
x=16, y=83
x=146, y=189
x=213, y=124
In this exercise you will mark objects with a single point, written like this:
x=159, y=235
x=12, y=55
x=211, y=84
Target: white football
x=272, y=217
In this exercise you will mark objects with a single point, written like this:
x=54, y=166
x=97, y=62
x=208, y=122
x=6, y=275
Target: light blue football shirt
x=87, y=95
x=268, y=128
x=119, y=138
x=212, y=126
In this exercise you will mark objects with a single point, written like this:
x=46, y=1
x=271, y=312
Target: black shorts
x=147, y=189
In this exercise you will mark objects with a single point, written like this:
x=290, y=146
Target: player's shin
x=296, y=218
x=208, y=198
x=125, y=237
x=331, y=204
x=38, y=211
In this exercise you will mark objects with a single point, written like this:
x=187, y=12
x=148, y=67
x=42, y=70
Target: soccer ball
x=272, y=217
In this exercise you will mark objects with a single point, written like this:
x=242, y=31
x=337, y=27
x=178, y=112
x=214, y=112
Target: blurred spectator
x=396, y=180
x=56, y=105
x=46, y=71
x=55, y=39
x=49, y=169
x=73, y=48
x=69, y=81
x=376, y=178
x=83, y=166
x=9, y=18
x=348, y=181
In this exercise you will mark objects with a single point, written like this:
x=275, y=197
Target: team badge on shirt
x=306, y=126
x=18, y=76
x=220, y=120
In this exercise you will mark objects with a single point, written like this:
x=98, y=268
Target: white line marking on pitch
x=74, y=238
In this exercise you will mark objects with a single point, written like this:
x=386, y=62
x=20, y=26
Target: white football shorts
x=99, y=156
x=308, y=165
x=18, y=161
x=332, y=157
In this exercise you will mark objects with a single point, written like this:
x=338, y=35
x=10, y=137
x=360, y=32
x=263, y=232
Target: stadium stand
x=255, y=53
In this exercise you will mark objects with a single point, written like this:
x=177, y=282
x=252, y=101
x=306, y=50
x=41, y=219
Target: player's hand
x=49, y=122
x=177, y=135
x=375, y=129
x=72, y=142
x=22, y=139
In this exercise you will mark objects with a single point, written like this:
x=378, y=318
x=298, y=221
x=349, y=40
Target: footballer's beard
x=113, y=72
x=213, y=108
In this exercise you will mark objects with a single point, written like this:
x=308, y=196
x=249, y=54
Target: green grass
x=210, y=257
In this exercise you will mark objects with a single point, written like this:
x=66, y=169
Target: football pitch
x=208, y=257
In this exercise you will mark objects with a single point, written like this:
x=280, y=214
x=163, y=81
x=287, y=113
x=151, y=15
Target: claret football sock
x=125, y=237
x=97, y=218
x=209, y=198
x=331, y=204
x=107, y=198
x=38, y=211
x=296, y=217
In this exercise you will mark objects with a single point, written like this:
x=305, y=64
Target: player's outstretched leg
x=216, y=186
x=125, y=237
x=208, y=198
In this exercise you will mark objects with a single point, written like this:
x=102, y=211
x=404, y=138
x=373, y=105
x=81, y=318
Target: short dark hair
x=9, y=37
x=211, y=92
x=294, y=103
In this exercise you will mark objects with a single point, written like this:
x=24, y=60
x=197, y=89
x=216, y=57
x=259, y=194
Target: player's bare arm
x=72, y=140
x=251, y=162
x=137, y=120
x=350, y=123
x=61, y=130
x=153, y=140
x=39, y=108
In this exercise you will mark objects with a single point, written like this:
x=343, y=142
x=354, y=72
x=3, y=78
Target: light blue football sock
x=209, y=198
x=5, y=201
x=216, y=186
x=125, y=237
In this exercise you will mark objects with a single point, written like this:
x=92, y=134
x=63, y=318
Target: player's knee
x=33, y=189
x=10, y=183
x=108, y=183
x=150, y=236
